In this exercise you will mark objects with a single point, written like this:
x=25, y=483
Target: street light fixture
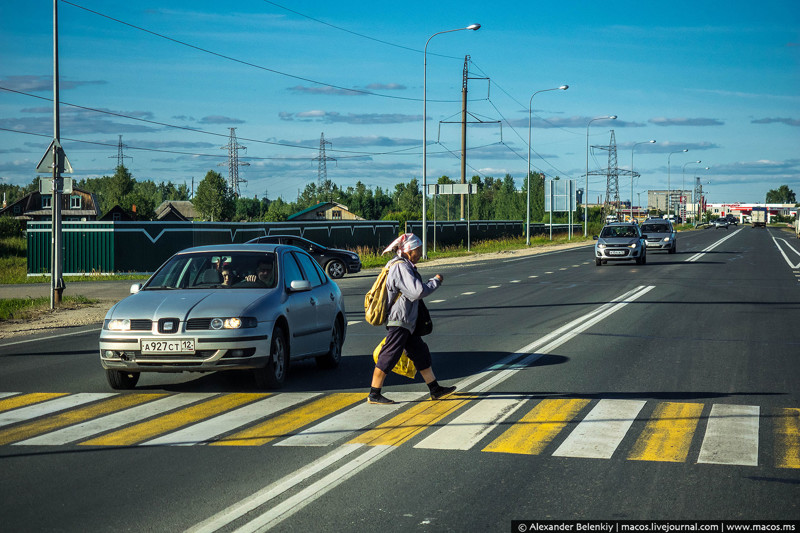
x=632, y=148
x=472, y=27
x=528, y=209
x=586, y=191
x=669, y=177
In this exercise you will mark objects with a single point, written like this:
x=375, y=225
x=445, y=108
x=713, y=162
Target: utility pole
x=56, y=276
x=322, y=167
x=464, y=129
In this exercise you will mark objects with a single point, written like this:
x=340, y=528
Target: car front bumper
x=212, y=352
x=618, y=254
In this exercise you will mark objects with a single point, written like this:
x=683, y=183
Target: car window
x=308, y=267
x=655, y=228
x=210, y=270
x=610, y=232
x=291, y=270
x=300, y=243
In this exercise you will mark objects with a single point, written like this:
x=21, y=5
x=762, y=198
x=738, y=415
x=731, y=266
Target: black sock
x=433, y=385
x=374, y=391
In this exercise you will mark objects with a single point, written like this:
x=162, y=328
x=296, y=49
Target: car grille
x=141, y=324
x=198, y=323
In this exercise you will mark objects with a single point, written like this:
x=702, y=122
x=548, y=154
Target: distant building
x=325, y=211
x=79, y=205
x=177, y=210
x=117, y=214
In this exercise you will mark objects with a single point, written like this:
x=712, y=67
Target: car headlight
x=666, y=239
x=633, y=245
x=233, y=323
x=601, y=245
x=118, y=324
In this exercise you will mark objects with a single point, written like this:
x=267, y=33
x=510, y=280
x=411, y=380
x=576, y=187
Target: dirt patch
x=57, y=319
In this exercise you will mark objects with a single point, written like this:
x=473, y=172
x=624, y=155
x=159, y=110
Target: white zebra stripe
x=23, y=414
x=731, y=436
x=601, y=431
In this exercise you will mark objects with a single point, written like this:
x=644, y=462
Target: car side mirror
x=136, y=287
x=644, y=236
x=595, y=237
x=300, y=285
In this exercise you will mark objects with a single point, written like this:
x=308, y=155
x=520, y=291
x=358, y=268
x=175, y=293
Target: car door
x=301, y=310
x=325, y=298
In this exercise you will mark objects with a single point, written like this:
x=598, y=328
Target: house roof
x=315, y=207
x=184, y=207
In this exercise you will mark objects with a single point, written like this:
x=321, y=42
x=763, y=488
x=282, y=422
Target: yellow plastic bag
x=404, y=367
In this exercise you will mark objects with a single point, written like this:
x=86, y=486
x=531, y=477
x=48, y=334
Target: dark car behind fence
x=108, y=247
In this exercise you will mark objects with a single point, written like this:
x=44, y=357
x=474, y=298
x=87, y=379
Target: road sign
x=452, y=188
x=46, y=186
x=47, y=163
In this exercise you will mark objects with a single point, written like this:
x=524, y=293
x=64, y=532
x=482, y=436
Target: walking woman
x=406, y=289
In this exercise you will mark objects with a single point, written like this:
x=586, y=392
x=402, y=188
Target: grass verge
x=28, y=308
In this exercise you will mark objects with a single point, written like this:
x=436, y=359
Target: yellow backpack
x=376, y=301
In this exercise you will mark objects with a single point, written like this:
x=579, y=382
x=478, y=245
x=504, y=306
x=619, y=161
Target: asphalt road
x=664, y=391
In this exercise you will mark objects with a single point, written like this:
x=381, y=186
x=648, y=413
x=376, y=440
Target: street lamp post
x=528, y=209
x=669, y=177
x=425, y=136
x=586, y=191
x=632, y=148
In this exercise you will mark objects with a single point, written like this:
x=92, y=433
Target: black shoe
x=442, y=392
x=379, y=399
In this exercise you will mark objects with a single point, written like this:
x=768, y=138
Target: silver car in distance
x=230, y=307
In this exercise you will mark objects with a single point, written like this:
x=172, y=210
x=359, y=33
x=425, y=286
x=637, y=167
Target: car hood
x=617, y=241
x=185, y=304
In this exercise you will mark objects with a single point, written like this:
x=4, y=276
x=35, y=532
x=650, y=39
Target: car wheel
x=121, y=380
x=335, y=269
x=273, y=375
x=597, y=262
x=674, y=248
x=334, y=355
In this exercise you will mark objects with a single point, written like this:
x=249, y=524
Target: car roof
x=621, y=224
x=240, y=247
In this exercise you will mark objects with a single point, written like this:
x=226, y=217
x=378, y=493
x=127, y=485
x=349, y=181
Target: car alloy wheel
x=273, y=375
x=334, y=355
x=335, y=268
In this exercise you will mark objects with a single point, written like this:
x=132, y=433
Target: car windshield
x=655, y=228
x=235, y=270
x=611, y=232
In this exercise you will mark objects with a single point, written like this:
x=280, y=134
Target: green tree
x=407, y=197
x=278, y=211
x=781, y=195
x=214, y=200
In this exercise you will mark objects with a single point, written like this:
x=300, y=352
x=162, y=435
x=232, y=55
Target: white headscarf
x=404, y=243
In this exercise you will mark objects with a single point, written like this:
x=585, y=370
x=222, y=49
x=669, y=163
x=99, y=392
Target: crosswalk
x=635, y=430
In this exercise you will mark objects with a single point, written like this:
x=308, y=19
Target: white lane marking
x=515, y=281
x=351, y=322
x=437, y=301
x=349, y=422
x=213, y=427
x=548, y=272
x=293, y=504
x=113, y=421
x=467, y=293
x=50, y=337
x=51, y=406
x=780, y=249
x=6, y=394
x=697, y=256
x=493, y=287
x=533, y=277
x=601, y=431
x=731, y=436
x=232, y=513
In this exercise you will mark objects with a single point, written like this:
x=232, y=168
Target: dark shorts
x=397, y=340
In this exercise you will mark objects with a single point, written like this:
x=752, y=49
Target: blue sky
x=720, y=79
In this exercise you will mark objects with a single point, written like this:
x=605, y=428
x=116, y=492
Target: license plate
x=616, y=252
x=180, y=346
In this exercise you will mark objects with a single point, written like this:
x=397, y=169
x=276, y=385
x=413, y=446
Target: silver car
x=620, y=242
x=661, y=235
x=232, y=307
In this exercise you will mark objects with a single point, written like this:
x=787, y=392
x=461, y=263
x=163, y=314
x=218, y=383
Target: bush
x=10, y=227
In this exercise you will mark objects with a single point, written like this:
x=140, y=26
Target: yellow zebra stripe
x=538, y=427
x=409, y=423
x=787, y=439
x=51, y=423
x=28, y=399
x=668, y=435
x=164, y=424
x=283, y=425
